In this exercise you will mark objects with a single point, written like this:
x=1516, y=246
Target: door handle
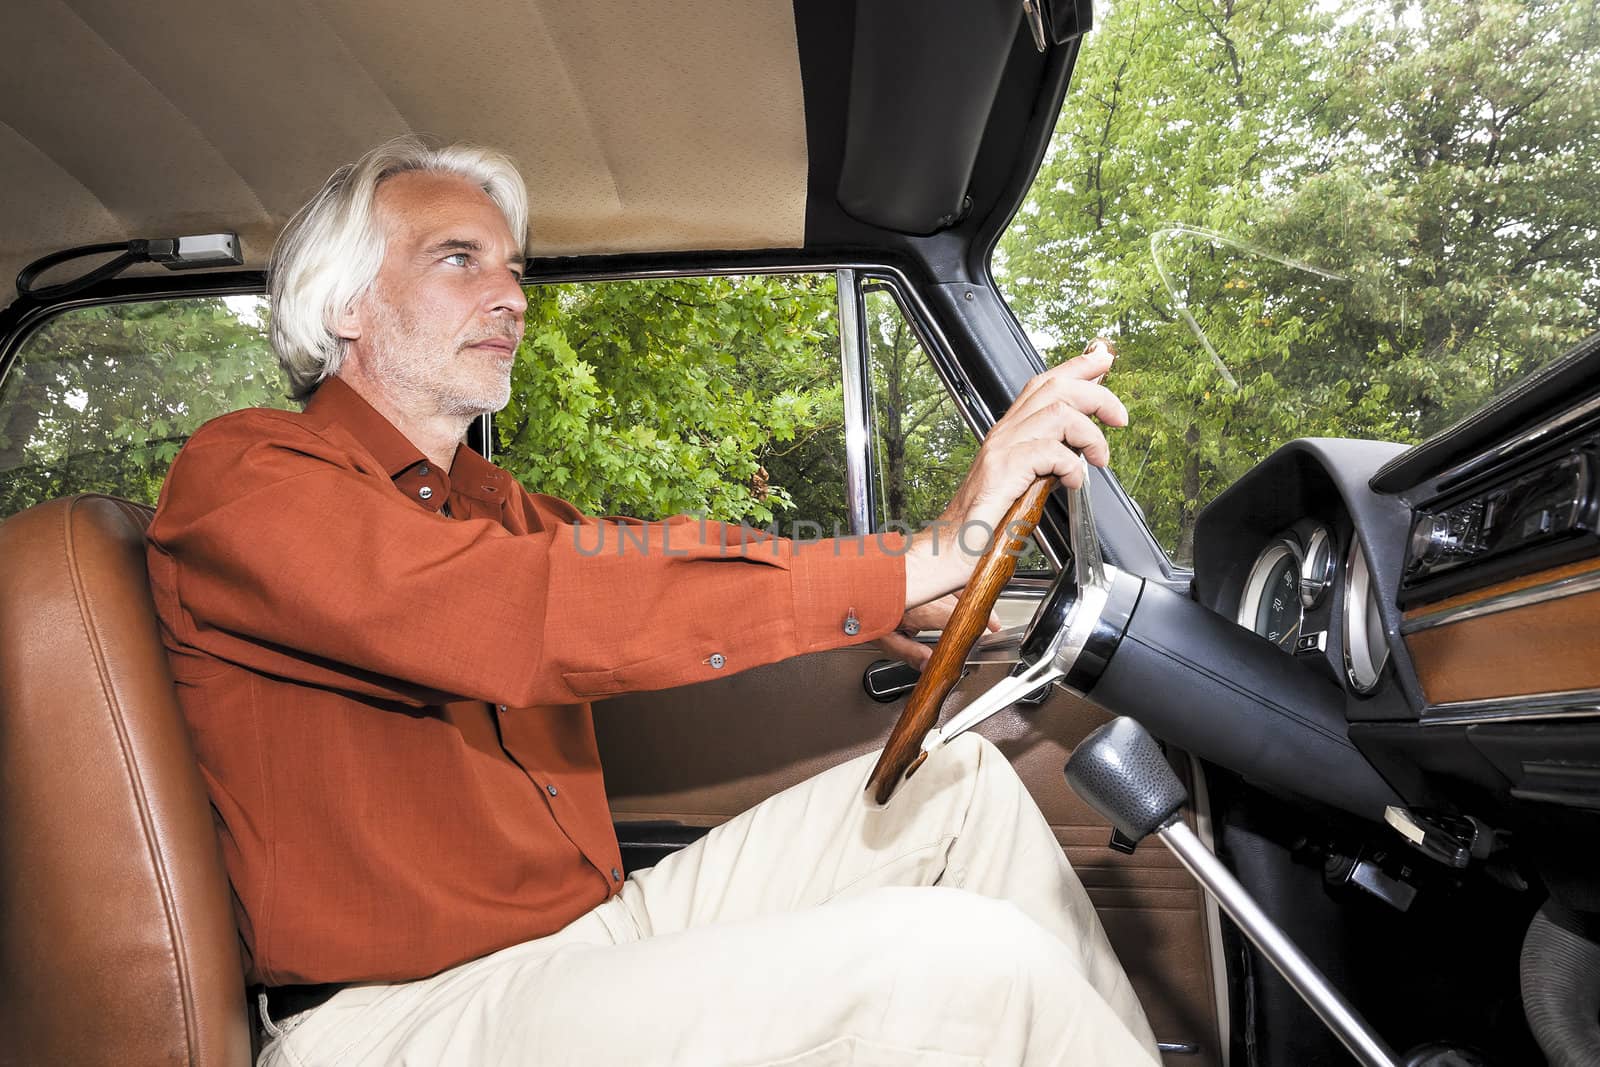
x=887, y=680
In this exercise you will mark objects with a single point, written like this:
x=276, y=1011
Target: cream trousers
x=816, y=928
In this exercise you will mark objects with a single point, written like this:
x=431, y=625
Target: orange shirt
x=388, y=695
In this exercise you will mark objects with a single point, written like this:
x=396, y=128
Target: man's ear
x=347, y=323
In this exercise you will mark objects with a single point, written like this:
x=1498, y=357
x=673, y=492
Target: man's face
x=442, y=320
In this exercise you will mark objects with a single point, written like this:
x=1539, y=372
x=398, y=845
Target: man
x=384, y=647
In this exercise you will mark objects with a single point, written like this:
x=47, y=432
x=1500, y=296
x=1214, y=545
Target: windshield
x=1306, y=219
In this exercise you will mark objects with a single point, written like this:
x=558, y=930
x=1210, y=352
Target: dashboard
x=1451, y=592
x=1303, y=553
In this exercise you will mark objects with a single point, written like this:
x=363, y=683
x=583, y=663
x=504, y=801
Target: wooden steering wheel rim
x=902, y=755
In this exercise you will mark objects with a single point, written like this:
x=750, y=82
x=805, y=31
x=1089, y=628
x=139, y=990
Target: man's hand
x=901, y=643
x=1053, y=415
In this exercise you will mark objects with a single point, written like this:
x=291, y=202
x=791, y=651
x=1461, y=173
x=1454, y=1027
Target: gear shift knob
x=1120, y=770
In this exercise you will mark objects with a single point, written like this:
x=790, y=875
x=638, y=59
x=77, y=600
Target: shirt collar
x=470, y=474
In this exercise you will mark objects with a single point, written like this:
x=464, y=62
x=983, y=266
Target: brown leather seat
x=117, y=942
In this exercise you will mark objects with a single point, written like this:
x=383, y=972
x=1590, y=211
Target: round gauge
x=1366, y=647
x=1316, y=571
x=1271, y=603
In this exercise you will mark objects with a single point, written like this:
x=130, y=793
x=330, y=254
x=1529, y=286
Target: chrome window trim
x=858, y=480
x=975, y=413
x=1567, y=704
x=486, y=431
x=1516, y=598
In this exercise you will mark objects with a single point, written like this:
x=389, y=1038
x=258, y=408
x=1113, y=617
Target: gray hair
x=331, y=250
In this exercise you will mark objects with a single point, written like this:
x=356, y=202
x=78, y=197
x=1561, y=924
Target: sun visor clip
x=194, y=252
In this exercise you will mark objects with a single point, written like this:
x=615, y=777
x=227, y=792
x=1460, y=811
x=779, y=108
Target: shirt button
x=716, y=661
x=426, y=492
x=616, y=875
x=501, y=708
x=852, y=625
x=552, y=790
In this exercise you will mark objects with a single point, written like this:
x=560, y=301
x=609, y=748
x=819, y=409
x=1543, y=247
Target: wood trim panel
x=1538, y=648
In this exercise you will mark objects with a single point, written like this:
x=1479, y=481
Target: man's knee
x=941, y=935
x=983, y=760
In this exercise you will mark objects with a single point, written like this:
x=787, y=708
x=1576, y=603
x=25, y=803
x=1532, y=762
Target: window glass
x=1309, y=219
x=920, y=443
x=712, y=396
x=101, y=399
x=717, y=396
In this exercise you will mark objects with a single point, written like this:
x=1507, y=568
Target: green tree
x=102, y=398
x=923, y=447
x=713, y=396
x=717, y=396
x=1436, y=157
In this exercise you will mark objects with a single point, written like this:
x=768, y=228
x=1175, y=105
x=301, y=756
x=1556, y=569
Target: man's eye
x=458, y=259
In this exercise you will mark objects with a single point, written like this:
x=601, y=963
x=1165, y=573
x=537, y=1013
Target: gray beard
x=407, y=361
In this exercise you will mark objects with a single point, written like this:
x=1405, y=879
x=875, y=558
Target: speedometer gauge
x=1271, y=604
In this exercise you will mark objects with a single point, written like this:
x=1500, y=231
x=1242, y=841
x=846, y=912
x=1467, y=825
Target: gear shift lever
x=1122, y=774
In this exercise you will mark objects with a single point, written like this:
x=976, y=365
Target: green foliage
x=715, y=396
x=712, y=396
x=103, y=397
x=1437, y=156
x=922, y=446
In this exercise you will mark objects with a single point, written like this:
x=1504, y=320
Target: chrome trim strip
x=1517, y=598
x=1568, y=704
x=857, y=471
x=1519, y=444
x=486, y=429
x=975, y=413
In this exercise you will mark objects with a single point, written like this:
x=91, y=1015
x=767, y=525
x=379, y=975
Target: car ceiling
x=639, y=127
x=734, y=127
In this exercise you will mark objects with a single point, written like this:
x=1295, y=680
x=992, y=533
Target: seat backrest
x=117, y=942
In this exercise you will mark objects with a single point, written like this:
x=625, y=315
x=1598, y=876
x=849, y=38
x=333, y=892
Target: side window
x=101, y=398
x=715, y=396
x=921, y=444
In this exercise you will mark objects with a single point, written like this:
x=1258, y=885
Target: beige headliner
x=640, y=126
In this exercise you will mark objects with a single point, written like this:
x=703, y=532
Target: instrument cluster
x=1303, y=585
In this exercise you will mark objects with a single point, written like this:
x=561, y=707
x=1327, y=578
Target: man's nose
x=508, y=296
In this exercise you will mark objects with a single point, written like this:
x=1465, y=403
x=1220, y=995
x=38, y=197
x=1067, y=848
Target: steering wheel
x=1070, y=640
